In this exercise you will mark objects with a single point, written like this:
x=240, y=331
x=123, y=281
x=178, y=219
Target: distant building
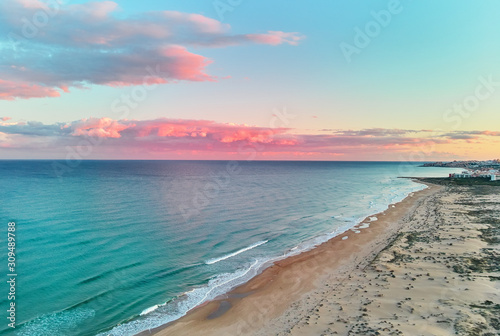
x=492, y=174
x=466, y=174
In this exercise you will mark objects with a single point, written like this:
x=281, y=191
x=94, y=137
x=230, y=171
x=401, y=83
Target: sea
x=119, y=247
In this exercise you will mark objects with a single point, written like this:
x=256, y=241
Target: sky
x=249, y=80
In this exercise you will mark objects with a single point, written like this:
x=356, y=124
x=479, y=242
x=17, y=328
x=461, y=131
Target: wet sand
x=424, y=267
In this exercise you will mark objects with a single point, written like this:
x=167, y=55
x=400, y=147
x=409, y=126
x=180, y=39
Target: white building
x=465, y=174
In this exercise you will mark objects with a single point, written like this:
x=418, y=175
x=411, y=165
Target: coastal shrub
x=459, y=269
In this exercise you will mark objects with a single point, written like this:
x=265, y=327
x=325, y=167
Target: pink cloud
x=10, y=90
x=100, y=128
x=490, y=133
x=172, y=128
x=5, y=141
x=201, y=23
x=246, y=134
x=89, y=44
x=214, y=132
x=93, y=11
x=276, y=38
x=5, y=118
x=172, y=63
x=168, y=138
x=185, y=65
x=37, y=4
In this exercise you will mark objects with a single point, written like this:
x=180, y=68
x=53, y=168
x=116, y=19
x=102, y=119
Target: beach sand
x=429, y=265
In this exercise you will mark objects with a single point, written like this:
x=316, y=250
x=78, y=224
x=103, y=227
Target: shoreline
x=263, y=297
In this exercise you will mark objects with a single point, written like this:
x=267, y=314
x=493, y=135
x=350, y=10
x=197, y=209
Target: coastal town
x=473, y=168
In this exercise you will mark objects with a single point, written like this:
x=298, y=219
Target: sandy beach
x=428, y=265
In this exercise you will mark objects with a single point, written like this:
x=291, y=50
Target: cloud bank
x=48, y=48
x=180, y=138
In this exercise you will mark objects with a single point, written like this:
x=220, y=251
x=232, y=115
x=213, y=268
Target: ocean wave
x=150, y=309
x=158, y=315
x=227, y=256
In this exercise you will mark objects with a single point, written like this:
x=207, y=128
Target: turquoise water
x=117, y=247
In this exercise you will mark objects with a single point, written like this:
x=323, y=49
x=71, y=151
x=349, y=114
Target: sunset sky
x=234, y=79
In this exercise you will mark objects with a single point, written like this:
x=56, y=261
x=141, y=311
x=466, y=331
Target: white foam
x=227, y=256
x=150, y=309
x=345, y=237
x=161, y=314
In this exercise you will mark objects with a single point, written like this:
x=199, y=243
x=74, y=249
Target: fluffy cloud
x=101, y=128
x=48, y=48
x=10, y=90
x=372, y=132
x=470, y=134
x=275, y=38
x=201, y=132
x=153, y=138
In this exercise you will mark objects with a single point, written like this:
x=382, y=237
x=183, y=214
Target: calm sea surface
x=117, y=247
